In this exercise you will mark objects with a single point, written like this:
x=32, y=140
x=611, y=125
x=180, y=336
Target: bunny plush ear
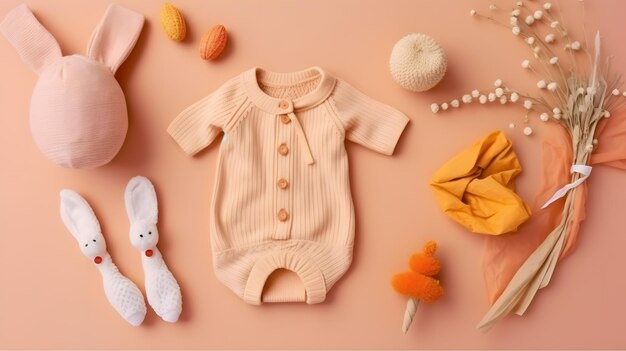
x=33, y=42
x=141, y=200
x=116, y=35
x=77, y=215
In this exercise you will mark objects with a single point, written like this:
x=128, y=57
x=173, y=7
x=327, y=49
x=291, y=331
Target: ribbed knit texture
x=35, y=45
x=78, y=119
x=250, y=239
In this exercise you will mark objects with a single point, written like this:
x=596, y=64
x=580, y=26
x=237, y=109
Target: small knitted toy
x=82, y=223
x=419, y=283
x=417, y=62
x=173, y=22
x=213, y=42
x=161, y=287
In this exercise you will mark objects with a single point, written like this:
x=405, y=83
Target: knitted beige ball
x=417, y=62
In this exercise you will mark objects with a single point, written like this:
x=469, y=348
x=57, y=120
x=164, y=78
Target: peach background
x=51, y=296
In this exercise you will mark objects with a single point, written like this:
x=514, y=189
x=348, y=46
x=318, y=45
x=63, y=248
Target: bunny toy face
x=82, y=223
x=144, y=235
x=93, y=246
x=142, y=209
x=78, y=114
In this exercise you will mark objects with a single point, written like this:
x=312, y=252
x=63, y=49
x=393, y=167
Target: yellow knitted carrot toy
x=419, y=283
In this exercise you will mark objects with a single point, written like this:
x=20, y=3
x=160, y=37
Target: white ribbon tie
x=584, y=170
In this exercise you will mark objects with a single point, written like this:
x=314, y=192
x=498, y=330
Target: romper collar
x=252, y=77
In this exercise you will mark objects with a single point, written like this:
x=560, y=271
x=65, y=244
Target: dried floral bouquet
x=577, y=92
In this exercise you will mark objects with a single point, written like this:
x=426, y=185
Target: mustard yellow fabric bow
x=476, y=188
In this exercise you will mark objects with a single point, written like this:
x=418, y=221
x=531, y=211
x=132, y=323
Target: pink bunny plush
x=78, y=114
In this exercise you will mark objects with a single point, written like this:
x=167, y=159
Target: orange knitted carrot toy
x=419, y=283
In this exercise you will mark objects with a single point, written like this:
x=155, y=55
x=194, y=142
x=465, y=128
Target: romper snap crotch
x=282, y=196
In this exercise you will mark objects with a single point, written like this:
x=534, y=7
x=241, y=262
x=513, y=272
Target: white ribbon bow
x=582, y=169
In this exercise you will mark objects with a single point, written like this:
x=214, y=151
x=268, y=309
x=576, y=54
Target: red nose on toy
x=149, y=253
x=97, y=260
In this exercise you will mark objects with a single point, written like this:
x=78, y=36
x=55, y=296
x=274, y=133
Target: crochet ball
x=417, y=62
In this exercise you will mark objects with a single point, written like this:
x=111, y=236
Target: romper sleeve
x=366, y=121
x=197, y=126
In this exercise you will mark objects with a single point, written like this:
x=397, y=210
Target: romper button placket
x=283, y=215
x=282, y=183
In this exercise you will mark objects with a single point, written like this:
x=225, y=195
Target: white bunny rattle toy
x=161, y=288
x=82, y=223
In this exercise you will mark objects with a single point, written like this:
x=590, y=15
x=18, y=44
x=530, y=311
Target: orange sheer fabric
x=503, y=255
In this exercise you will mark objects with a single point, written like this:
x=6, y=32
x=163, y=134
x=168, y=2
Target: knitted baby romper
x=282, y=194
